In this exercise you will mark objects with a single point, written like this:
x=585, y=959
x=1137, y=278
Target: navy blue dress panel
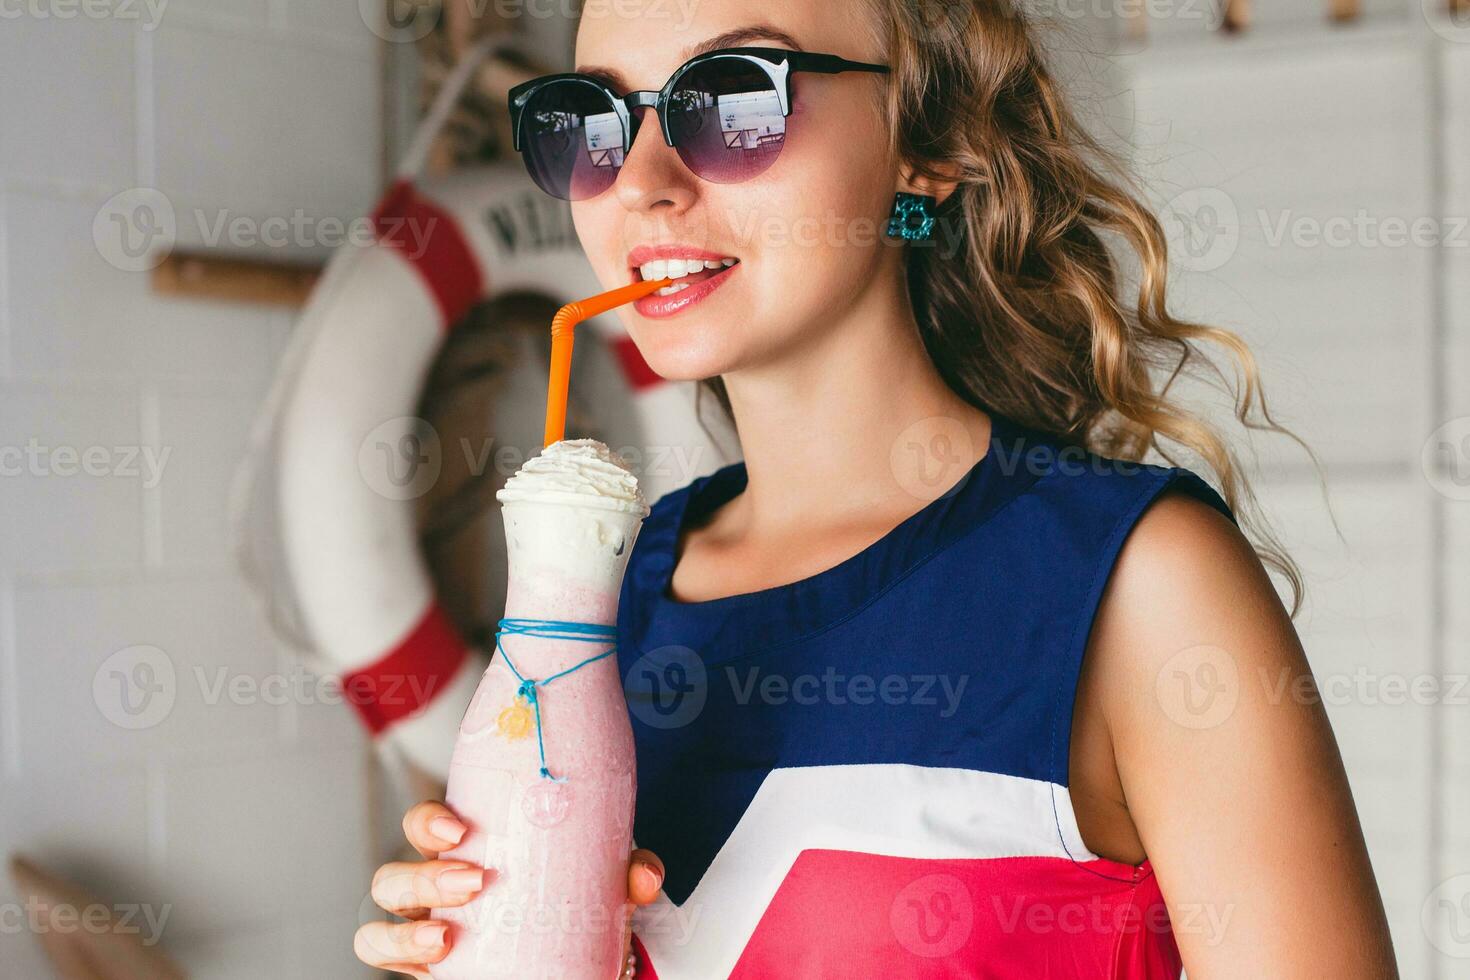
x=955, y=641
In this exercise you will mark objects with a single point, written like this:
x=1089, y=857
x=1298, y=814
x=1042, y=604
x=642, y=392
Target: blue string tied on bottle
x=549, y=629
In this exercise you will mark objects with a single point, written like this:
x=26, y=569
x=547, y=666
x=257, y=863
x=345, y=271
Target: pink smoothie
x=555, y=902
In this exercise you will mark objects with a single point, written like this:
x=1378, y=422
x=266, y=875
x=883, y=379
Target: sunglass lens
x=572, y=140
x=726, y=120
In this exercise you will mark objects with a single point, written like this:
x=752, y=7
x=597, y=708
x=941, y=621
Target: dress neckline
x=792, y=611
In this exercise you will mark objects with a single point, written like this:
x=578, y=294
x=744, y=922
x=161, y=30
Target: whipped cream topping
x=579, y=472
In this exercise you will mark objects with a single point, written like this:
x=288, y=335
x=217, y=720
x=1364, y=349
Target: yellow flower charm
x=515, y=722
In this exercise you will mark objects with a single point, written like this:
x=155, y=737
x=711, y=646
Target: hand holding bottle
x=412, y=889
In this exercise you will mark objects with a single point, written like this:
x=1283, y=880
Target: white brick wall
x=1453, y=864
x=246, y=820
x=1364, y=358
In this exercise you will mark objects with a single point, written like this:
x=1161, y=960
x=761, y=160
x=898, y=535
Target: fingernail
x=429, y=934
x=462, y=880
x=651, y=877
x=447, y=828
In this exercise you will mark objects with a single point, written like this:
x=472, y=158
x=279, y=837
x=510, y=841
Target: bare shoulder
x=1187, y=575
x=1184, y=547
x=1214, y=723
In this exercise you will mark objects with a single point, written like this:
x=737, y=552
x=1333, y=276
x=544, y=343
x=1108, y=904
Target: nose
x=653, y=180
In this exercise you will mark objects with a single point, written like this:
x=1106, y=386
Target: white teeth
x=679, y=268
x=677, y=287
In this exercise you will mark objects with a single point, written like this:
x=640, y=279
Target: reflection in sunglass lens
x=572, y=140
x=726, y=120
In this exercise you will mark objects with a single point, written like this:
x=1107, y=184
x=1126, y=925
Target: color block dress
x=864, y=773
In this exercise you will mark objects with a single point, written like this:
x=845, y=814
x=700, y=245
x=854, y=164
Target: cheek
x=842, y=125
x=819, y=215
x=836, y=169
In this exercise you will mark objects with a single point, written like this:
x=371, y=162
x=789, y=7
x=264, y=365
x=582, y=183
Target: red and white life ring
x=333, y=554
x=371, y=332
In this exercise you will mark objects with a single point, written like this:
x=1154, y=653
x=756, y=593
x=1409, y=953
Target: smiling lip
x=698, y=285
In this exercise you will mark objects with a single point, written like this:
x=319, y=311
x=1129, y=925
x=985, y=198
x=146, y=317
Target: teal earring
x=913, y=218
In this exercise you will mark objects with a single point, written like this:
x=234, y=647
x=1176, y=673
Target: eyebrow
x=730, y=39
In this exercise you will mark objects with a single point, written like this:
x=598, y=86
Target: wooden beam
x=111, y=951
x=1135, y=19
x=1237, y=16
x=234, y=279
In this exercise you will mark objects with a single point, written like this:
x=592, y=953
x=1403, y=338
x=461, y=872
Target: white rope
x=443, y=106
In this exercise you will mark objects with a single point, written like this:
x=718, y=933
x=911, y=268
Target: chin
x=681, y=365
x=675, y=354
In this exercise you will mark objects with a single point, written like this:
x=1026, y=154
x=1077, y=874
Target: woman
x=966, y=701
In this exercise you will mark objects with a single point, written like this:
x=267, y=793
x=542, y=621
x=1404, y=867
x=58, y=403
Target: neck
x=841, y=427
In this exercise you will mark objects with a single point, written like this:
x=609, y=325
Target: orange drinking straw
x=562, y=325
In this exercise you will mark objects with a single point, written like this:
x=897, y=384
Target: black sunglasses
x=725, y=113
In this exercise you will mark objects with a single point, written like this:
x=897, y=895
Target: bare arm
x=1227, y=764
